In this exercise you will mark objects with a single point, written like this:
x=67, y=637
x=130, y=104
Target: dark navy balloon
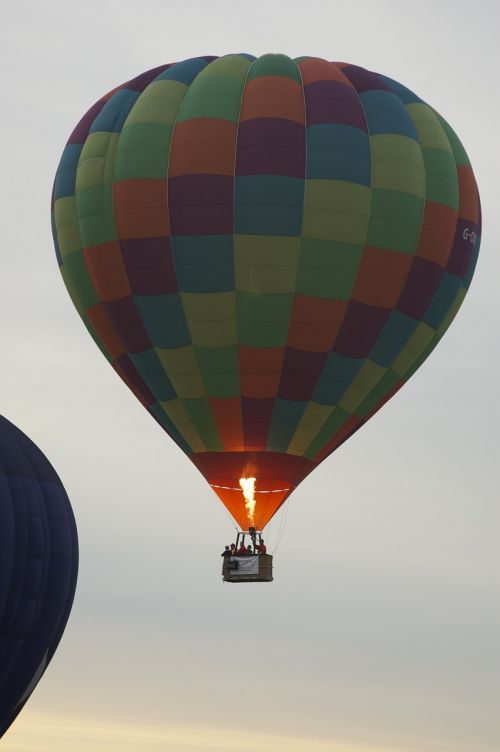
x=38, y=567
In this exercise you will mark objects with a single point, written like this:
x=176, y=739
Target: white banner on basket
x=246, y=565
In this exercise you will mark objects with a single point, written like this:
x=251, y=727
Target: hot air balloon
x=38, y=567
x=265, y=250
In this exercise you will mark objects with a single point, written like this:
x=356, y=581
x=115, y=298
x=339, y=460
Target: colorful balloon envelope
x=38, y=567
x=265, y=250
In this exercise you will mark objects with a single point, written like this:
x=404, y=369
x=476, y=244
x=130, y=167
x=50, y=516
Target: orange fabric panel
x=105, y=330
x=317, y=69
x=273, y=97
x=266, y=506
x=437, y=233
x=227, y=414
x=107, y=271
x=203, y=146
x=315, y=322
x=141, y=208
x=381, y=277
x=274, y=471
x=260, y=370
x=469, y=204
x=259, y=385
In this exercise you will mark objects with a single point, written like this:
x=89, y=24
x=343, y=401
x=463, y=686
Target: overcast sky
x=381, y=629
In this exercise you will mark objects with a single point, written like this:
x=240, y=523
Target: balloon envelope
x=38, y=567
x=265, y=250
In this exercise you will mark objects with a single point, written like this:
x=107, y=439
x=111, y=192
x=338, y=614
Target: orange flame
x=248, y=488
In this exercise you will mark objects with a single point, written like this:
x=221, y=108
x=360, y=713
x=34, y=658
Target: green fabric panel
x=216, y=92
x=66, y=221
x=395, y=221
x=366, y=379
x=332, y=424
x=386, y=383
x=441, y=177
x=335, y=212
x=397, y=164
x=177, y=414
x=263, y=320
x=72, y=291
x=201, y=415
x=94, y=203
x=219, y=368
x=158, y=103
x=76, y=271
x=218, y=360
x=417, y=343
x=212, y=97
x=210, y=318
x=264, y=308
x=144, y=142
x=95, y=165
x=452, y=312
x=415, y=365
x=327, y=269
x=143, y=151
x=234, y=66
x=459, y=152
x=265, y=264
x=274, y=65
x=430, y=132
x=222, y=385
x=157, y=410
x=208, y=306
x=96, y=226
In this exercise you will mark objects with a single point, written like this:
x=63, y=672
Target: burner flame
x=248, y=488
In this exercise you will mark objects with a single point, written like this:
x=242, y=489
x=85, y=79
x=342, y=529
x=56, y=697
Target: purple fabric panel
x=126, y=320
x=149, y=265
x=134, y=379
x=256, y=414
x=364, y=80
x=333, y=102
x=301, y=370
x=462, y=248
x=201, y=204
x=81, y=131
x=423, y=281
x=271, y=146
x=360, y=329
x=199, y=190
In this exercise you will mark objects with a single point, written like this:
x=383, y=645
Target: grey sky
x=381, y=628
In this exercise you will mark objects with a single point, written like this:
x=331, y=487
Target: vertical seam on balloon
x=234, y=248
x=436, y=335
x=359, y=263
x=66, y=608
x=414, y=256
x=244, y=83
x=29, y=517
x=167, y=418
x=435, y=338
x=202, y=440
x=102, y=308
x=297, y=266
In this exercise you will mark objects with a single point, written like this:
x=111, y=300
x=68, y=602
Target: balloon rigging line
x=231, y=488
